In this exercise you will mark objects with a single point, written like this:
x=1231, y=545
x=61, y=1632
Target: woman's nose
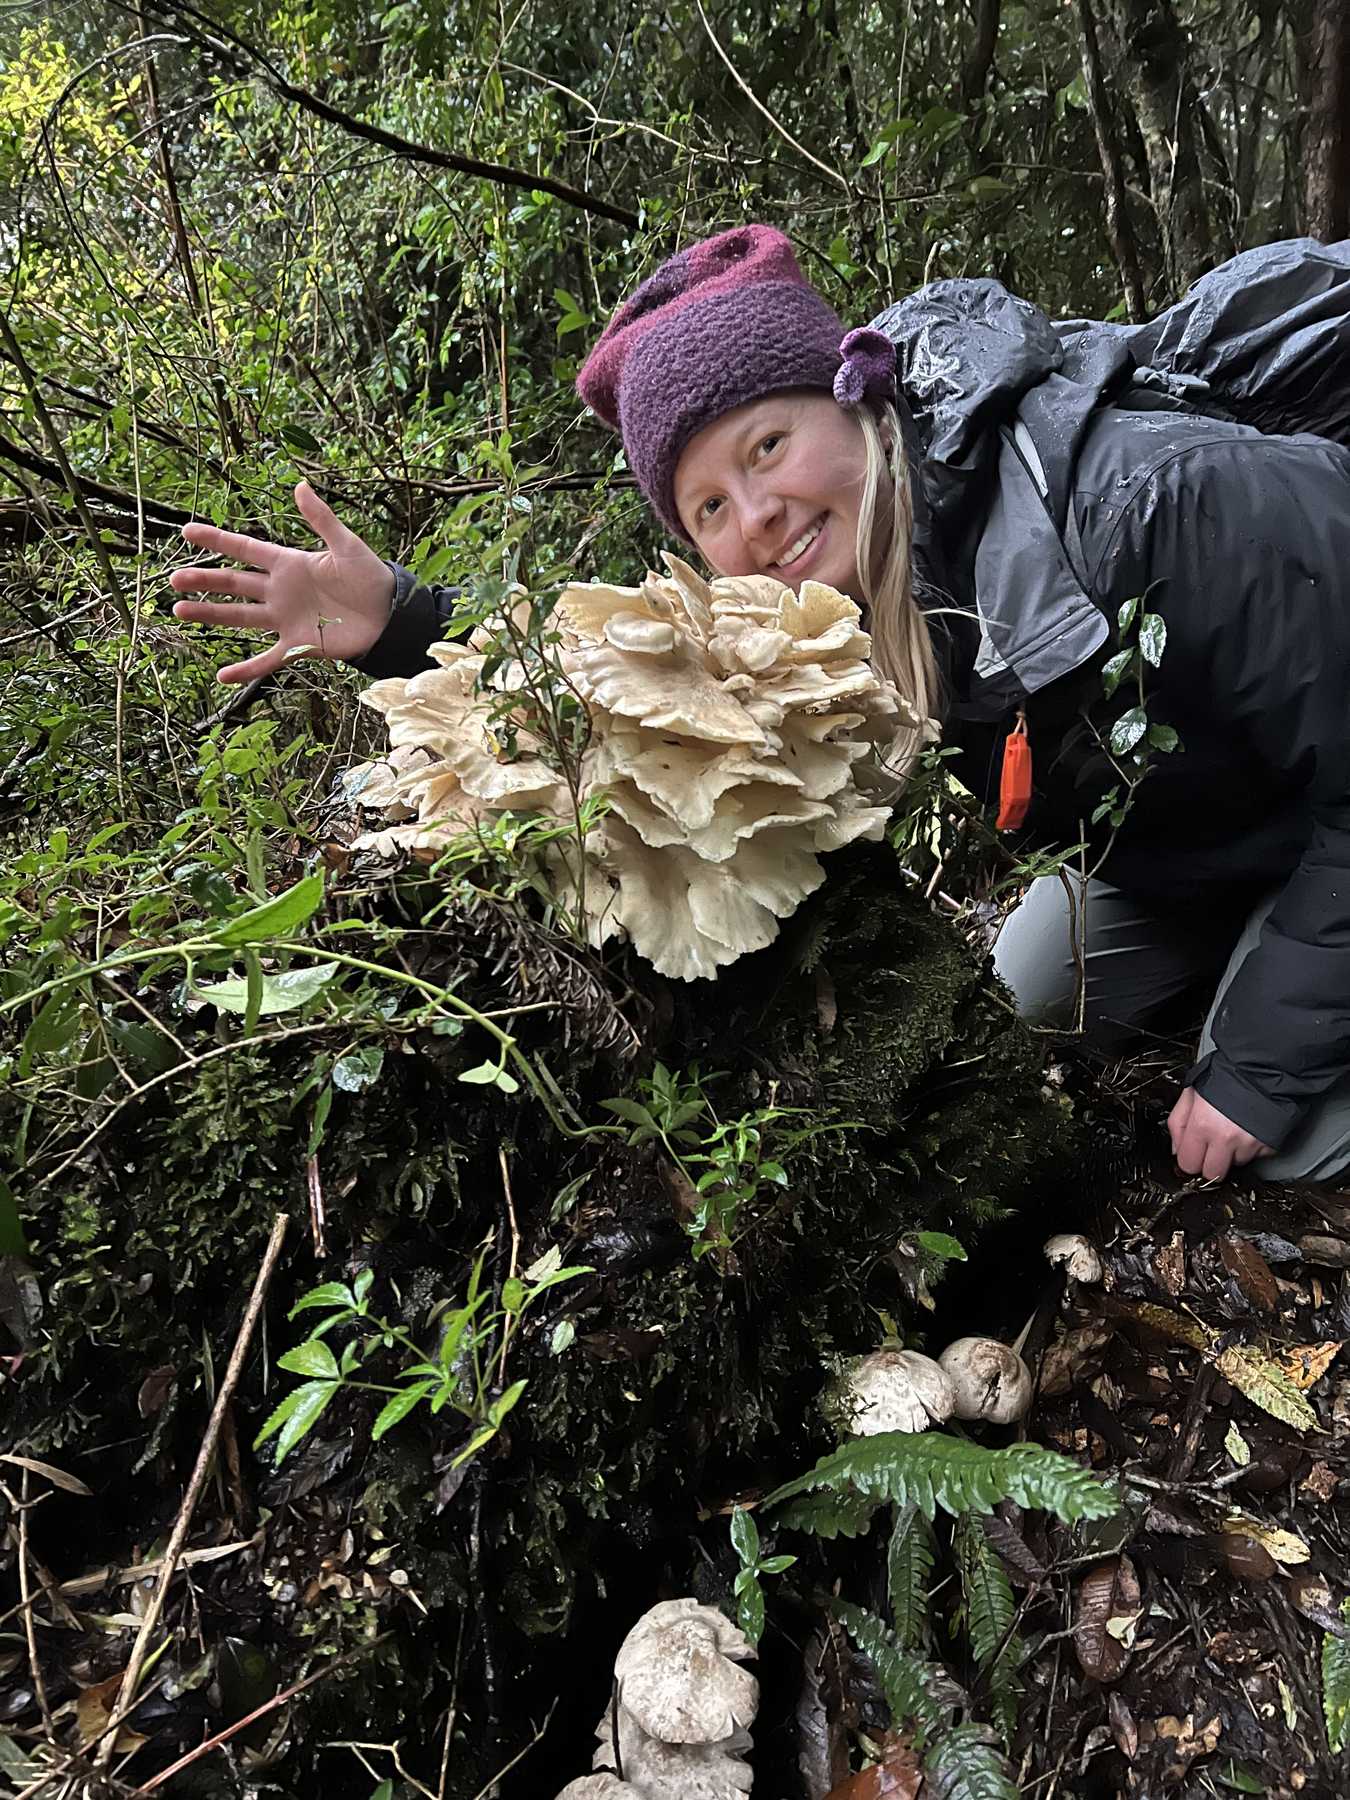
x=762, y=520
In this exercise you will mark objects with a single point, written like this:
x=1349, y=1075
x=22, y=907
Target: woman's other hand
x=333, y=602
x=1206, y=1143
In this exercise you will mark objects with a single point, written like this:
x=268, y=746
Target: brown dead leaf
x=898, y=1776
x=1074, y=1359
x=1123, y=1727
x=1266, y=1384
x=1108, y=1607
x=94, y=1709
x=1306, y=1364
x=1321, y=1482
x=1310, y=1593
x=1244, y=1557
x=1327, y=1252
x=71, y=1484
x=1162, y=1321
x=1250, y=1270
x=1185, y=1740
x=1285, y=1546
x=1169, y=1265
x=155, y=1389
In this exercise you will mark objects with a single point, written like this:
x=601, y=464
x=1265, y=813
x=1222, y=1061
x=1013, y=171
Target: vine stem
x=191, y=947
x=126, y=1695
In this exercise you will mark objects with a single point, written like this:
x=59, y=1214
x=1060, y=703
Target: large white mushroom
x=738, y=732
x=1076, y=1255
x=991, y=1380
x=679, y=1674
x=716, y=1771
x=897, y=1390
x=605, y=1786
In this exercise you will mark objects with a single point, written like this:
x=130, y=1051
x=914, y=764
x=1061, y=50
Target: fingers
x=242, y=582
x=253, y=550
x=1179, y=1118
x=321, y=518
x=220, y=612
x=262, y=664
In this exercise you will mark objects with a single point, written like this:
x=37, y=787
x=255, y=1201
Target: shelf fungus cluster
x=738, y=731
x=679, y=1725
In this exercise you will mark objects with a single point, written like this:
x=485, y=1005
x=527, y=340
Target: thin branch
x=126, y=1695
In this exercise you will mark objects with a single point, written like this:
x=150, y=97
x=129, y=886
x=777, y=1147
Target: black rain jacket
x=1193, y=462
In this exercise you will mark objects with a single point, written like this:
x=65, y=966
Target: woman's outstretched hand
x=332, y=602
x=1207, y=1143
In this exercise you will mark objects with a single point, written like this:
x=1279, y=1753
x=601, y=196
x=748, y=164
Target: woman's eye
x=706, y=510
x=767, y=444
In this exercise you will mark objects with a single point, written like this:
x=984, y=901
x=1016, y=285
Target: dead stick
x=259, y=1712
x=126, y=1694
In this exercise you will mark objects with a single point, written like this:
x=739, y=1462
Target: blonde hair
x=902, y=647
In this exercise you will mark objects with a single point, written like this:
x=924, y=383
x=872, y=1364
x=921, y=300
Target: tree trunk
x=979, y=58
x=1154, y=56
x=1326, y=138
x=1118, y=227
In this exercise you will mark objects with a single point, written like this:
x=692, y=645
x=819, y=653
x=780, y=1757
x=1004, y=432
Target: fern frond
x=830, y=1513
x=963, y=1765
x=930, y=1470
x=990, y=1611
x=909, y=1566
x=918, y=1693
x=1336, y=1685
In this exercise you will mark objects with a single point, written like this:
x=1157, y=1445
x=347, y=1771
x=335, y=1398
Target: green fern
x=1336, y=1685
x=830, y=1513
x=930, y=1470
x=917, y=1692
x=909, y=1567
x=963, y=1765
x=990, y=1611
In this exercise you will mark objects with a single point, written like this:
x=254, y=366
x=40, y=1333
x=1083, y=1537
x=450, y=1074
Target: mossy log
x=685, y=1380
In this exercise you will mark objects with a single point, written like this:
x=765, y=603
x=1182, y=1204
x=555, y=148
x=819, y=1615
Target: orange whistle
x=1014, y=788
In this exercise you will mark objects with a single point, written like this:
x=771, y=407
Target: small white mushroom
x=898, y=1390
x=678, y=1675
x=1077, y=1254
x=991, y=1380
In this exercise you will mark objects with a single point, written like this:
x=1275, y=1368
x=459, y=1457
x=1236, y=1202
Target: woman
x=1059, y=478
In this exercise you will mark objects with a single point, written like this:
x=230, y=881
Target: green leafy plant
x=466, y=1372
x=1336, y=1684
x=747, y=1589
x=1133, y=738
x=920, y=1475
x=728, y=1164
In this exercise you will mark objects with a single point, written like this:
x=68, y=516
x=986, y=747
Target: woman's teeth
x=803, y=542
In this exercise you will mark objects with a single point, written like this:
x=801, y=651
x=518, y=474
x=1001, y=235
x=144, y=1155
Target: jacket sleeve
x=1249, y=543
x=417, y=620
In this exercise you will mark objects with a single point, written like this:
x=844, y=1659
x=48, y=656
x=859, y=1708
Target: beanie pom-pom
x=868, y=368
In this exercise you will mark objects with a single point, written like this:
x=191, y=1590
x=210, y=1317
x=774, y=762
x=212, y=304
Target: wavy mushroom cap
x=716, y=1771
x=992, y=1382
x=897, y=1390
x=679, y=1677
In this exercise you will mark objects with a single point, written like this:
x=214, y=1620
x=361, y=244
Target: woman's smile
x=801, y=551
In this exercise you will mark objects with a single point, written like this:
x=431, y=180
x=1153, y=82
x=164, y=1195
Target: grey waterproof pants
x=1142, y=967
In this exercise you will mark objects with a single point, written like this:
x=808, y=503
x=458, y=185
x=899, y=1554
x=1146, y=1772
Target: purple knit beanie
x=728, y=320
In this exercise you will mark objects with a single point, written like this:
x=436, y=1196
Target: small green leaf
x=300, y=439
x=774, y=1565
x=280, y=993
x=322, y=1107
x=564, y=1332
x=940, y=1243
x=296, y=1415
x=313, y=1357
x=358, y=1069
x=1336, y=1685
x=399, y=1408
x=1162, y=738
x=513, y=1294
x=331, y=1293
x=1125, y=617
x=500, y=1407
x=484, y=1075
x=1152, y=637
x=745, y=1535
x=750, y=1611
x=278, y=917
x=1115, y=670
x=1127, y=731
x=630, y=1110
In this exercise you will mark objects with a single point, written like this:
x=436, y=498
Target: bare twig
x=127, y=1692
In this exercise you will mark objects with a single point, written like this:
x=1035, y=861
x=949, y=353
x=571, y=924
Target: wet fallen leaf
x=1237, y=1446
x=1184, y=1739
x=898, y=1776
x=1266, y=1385
x=1108, y=1607
x=1328, y=1252
x=1285, y=1546
x=1310, y=1593
x=1306, y=1364
x=155, y=1389
x=1176, y=1327
x=1123, y=1728
x=1250, y=1270
x=1244, y=1557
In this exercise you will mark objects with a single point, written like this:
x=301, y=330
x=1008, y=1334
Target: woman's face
x=774, y=487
